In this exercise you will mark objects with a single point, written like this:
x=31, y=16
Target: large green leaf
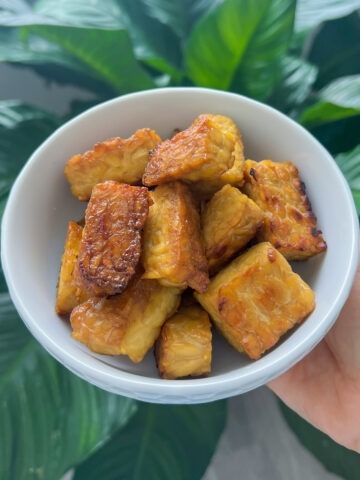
x=155, y=44
x=349, y=162
x=294, y=86
x=50, y=420
x=334, y=457
x=340, y=99
x=91, y=33
x=335, y=49
x=22, y=129
x=36, y=50
x=238, y=45
x=179, y=15
x=48, y=60
x=152, y=43
x=79, y=13
x=63, y=12
x=108, y=53
x=310, y=13
x=339, y=136
x=160, y=443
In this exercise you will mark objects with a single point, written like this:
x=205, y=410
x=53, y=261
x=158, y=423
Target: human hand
x=324, y=388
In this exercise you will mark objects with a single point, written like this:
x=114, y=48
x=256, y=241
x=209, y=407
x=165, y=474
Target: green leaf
x=335, y=458
x=349, y=163
x=238, y=45
x=63, y=12
x=294, y=87
x=335, y=49
x=22, y=129
x=160, y=443
x=340, y=99
x=154, y=43
x=178, y=15
x=48, y=60
x=92, y=35
x=108, y=53
x=310, y=13
x=104, y=14
x=324, y=112
x=36, y=50
x=344, y=92
x=151, y=42
x=339, y=136
x=55, y=419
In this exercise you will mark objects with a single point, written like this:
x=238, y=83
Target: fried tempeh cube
x=256, y=299
x=289, y=223
x=173, y=250
x=126, y=324
x=229, y=221
x=114, y=159
x=68, y=293
x=111, y=241
x=235, y=174
x=203, y=151
x=184, y=346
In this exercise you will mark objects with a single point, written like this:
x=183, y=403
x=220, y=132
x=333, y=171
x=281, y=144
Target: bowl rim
x=174, y=391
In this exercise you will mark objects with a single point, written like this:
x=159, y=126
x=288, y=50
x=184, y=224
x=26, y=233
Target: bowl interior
x=41, y=205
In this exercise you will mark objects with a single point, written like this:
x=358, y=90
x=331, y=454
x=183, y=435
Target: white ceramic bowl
x=40, y=206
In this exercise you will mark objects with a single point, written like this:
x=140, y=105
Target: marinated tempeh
x=68, y=292
x=229, y=221
x=235, y=174
x=114, y=159
x=289, y=223
x=256, y=299
x=203, y=151
x=184, y=346
x=125, y=324
x=111, y=242
x=173, y=250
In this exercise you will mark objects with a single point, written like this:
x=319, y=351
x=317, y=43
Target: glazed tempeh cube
x=111, y=241
x=184, y=346
x=125, y=324
x=289, y=223
x=68, y=292
x=229, y=221
x=114, y=159
x=256, y=299
x=173, y=250
x=201, y=152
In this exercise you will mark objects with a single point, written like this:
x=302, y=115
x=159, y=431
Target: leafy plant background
x=301, y=57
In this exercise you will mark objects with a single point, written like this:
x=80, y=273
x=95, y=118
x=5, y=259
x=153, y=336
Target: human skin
x=324, y=388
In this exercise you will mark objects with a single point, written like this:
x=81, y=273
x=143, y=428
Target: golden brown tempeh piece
x=173, y=250
x=235, y=174
x=68, y=293
x=114, y=159
x=111, y=241
x=184, y=346
x=229, y=221
x=256, y=299
x=201, y=152
x=128, y=323
x=289, y=224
